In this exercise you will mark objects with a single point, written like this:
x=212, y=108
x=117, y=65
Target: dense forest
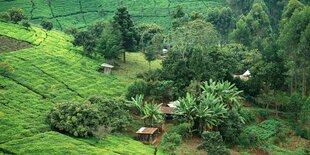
x=155, y=77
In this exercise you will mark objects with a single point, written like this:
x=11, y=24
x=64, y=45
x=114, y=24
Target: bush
x=184, y=129
x=247, y=139
x=4, y=16
x=170, y=142
x=47, y=25
x=16, y=15
x=232, y=128
x=76, y=119
x=26, y=24
x=213, y=143
x=137, y=88
x=112, y=113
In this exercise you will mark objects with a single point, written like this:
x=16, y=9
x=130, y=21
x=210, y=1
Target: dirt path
x=157, y=140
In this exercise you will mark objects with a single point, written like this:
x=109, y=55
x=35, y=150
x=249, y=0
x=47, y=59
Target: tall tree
x=240, y=6
x=109, y=43
x=294, y=41
x=122, y=21
x=223, y=21
x=254, y=30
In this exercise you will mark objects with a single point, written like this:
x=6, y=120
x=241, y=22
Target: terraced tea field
x=79, y=13
x=49, y=72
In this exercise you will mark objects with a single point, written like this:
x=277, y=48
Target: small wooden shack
x=147, y=135
x=168, y=111
x=107, y=68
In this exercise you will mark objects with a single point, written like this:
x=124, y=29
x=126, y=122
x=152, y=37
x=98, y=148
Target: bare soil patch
x=9, y=44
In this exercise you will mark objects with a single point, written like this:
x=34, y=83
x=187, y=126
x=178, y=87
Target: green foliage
x=170, y=142
x=213, y=143
x=305, y=111
x=240, y=6
x=110, y=43
x=4, y=16
x=265, y=129
x=26, y=24
x=16, y=15
x=122, y=21
x=294, y=31
x=6, y=68
x=184, y=129
x=113, y=113
x=226, y=92
x=179, y=12
x=146, y=32
x=223, y=21
x=248, y=139
x=152, y=114
x=254, y=29
x=231, y=128
x=79, y=120
x=47, y=25
x=248, y=115
x=137, y=88
x=1, y=115
x=85, y=39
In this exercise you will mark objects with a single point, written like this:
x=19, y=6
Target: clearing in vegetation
x=9, y=44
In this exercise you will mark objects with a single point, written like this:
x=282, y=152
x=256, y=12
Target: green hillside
x=79, y=13
x=49, y=72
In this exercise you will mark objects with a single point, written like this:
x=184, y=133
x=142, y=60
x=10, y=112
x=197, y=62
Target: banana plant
x=152, y=113
x=227, y=93
x=137, y=103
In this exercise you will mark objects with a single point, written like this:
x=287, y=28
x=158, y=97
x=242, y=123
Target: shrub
x=183, y=129
x=5, y=68
x=170, y=142
x=47, y=25
x=232, y=128
x=247, y=139
x=213, y=143
x=16, y=15
x=112, y=113
x=76, y=119
x=4, y=16
x=248, y=115
x=137, y=88
x=26, y=23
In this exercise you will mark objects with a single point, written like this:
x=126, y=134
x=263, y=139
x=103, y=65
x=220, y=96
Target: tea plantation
x=79, y=13
x=49, y=72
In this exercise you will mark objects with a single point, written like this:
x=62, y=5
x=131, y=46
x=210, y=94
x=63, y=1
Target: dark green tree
x=109, y=43
x=240, y=6
x=122, y=21
x=79, y=120
x=26, y=24
x=223, y=21
x=16, y=15
x=179, y=12
x=253, y=30
x=213, y=143
x=47, y=25
x=294, y=43
x=85, y=39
